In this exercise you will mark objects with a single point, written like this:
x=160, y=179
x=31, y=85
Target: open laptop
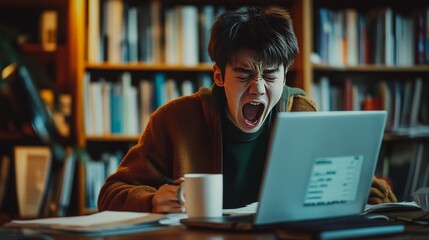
x=320, y=165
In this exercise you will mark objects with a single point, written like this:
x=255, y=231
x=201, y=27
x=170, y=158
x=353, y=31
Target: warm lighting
x=7, y=71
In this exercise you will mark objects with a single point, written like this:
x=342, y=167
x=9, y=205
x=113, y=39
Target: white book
x=93, y=41
x=189, y=24
x=133, y=114
x=132, y=34
x=114, y=30
x=105, y=95
x=126, y=89
x=352, y=36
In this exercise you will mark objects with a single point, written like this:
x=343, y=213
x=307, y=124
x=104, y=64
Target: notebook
x=319, y=166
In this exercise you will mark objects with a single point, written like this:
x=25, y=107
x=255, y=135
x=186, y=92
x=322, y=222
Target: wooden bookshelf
x=50, y=69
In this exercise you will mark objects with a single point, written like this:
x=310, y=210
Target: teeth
x=252, y=103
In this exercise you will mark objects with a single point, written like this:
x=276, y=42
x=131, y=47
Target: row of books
x=406, y=102
x=379, y=36
x=96, y=172
x=148, y=32
x=124, y=106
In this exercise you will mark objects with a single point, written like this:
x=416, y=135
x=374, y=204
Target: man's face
x=252, y=90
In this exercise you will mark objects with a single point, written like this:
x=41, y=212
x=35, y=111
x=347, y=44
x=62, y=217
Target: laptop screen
x=320, y=165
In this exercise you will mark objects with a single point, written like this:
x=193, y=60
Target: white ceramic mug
x=202, y=195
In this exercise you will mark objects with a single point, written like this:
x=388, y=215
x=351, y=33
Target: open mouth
x=252, y=112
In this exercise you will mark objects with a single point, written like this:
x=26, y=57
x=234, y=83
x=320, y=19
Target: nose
x=257, y=87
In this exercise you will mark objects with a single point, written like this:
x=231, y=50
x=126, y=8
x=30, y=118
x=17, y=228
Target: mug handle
x=181, y=195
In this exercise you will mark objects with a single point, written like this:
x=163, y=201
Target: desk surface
x=179, y=232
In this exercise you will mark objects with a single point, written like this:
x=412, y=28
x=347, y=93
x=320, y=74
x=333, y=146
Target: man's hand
x=380, y=192
x=165, y=199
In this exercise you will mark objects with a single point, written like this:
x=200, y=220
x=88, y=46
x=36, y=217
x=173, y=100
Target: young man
x=220, y=130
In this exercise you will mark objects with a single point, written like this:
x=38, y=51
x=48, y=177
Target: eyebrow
x=243, y=70
x=249, y=70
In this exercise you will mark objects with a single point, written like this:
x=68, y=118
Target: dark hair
x=267, y=31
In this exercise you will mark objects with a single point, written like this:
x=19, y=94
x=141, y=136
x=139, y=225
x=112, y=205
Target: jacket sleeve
x=141, y=172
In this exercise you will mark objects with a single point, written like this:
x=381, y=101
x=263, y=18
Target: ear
x=217, y=76
x=284, y=78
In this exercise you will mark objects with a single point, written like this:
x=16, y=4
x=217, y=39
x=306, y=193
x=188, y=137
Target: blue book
x=116, y=111
x=160, y=89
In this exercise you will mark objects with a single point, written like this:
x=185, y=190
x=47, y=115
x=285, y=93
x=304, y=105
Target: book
x=114, y=27
x=94, y=32
x=88, y=111
x=117, y=110
x=132, y=34
x=100, y=224
x=189, y=34
x=389, y=207
x=64, y=187
x=146, y=101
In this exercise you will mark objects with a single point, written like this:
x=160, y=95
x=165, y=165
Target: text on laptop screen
x=333, y=180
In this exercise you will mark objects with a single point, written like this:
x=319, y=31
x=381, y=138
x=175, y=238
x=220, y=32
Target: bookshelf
x=374, y=55
x=49, y=66
x=90, y=66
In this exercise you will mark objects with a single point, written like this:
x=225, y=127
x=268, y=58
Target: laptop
x=319, y=166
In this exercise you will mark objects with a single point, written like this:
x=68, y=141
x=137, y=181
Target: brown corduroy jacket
x=183, y=136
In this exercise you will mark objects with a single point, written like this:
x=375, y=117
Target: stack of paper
x=103, y=223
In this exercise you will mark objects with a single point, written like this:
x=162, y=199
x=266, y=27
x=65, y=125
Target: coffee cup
x=202, y=195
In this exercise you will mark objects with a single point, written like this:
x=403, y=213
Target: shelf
x=371, y=68
x=113, y=138
x=391, y=137
x=149, y=67
x=38, y=49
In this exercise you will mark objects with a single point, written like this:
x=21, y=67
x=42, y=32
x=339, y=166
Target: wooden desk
x=181, y=233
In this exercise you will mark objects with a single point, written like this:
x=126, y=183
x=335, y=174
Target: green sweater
x=243, y=162
x=183, y=136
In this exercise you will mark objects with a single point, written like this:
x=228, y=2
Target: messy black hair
x=266, y=31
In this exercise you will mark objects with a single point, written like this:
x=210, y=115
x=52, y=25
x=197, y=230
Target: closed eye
x=270, y=78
